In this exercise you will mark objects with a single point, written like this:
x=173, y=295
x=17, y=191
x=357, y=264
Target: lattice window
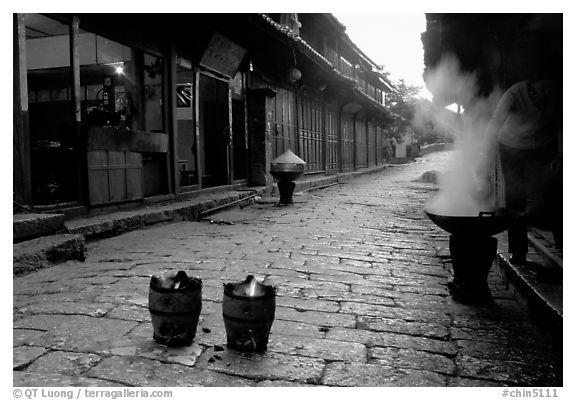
x=332, y=155
x=311, y=133
x=371, y=144
x=283, y=134
x=361, y=144
x=347, y=142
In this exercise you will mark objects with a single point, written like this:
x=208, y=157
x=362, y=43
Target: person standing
x=528, y=126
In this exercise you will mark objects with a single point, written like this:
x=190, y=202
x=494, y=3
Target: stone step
x=34, y=225
x=46, y=251
x=543, y=242
x=538, y=285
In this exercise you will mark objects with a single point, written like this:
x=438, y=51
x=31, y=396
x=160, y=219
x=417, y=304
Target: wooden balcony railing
x=347, y=69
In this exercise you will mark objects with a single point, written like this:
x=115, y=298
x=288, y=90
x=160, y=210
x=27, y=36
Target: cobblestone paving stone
x=362, y=301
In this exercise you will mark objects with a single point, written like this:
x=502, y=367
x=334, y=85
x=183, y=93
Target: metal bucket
x=175, y=310
x=248, y=317
x=473, y=249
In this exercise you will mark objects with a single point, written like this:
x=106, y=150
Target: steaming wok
x=485, y=224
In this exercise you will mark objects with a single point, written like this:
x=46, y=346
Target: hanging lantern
x=294, y=74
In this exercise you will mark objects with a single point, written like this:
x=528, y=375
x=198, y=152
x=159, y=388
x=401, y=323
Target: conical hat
x=288, y=158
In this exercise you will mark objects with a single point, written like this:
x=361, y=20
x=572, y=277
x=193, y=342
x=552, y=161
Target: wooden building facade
x=123, y=109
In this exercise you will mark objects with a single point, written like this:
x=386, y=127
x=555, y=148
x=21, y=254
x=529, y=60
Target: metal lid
x=288, y=157
x=249, y=289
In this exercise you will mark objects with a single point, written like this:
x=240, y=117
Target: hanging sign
x=222, y=55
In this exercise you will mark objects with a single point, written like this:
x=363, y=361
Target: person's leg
x=544, y=208
x=558, y=216
x=557, y=227
x=513, y=169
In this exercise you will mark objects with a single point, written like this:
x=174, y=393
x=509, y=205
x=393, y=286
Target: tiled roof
x=304, y=46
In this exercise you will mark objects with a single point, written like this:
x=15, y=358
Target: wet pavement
x=362, y=300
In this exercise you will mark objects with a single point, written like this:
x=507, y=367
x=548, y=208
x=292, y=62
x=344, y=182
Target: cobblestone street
x=362, y=300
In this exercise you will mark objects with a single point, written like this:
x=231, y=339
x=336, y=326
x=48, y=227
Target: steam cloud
x=473, y=152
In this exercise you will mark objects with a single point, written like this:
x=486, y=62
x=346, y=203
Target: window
x=122, y=87
x=106, y=93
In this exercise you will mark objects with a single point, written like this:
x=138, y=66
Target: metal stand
x=472, y=258
x=286, y=189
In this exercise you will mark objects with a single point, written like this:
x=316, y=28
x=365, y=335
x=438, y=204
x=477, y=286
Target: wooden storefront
x=108, y=112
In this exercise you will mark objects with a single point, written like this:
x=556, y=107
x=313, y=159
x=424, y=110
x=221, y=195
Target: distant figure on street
x=386, y=150
x=527, y=124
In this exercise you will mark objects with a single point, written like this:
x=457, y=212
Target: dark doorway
x=239, y=139
x=214, y=131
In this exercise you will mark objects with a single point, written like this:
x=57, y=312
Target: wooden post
x=230, y=146
x=199, y=152
x=324, y=112
x=246, y=146
x=172, y=128
x=22, y=180
x=297, y=120
x=169, y=112
x=260, y=121
x=340, y=133
x=75, y=65
x=80, y=154
x=367, y=130
x=354, y=143
x=138, y=88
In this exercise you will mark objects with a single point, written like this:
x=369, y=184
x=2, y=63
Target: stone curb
x=189, y=210
x=41, y=252
x=319, y=182
x=118, y=223
x=436, y=147
x=30, y=226
x=540, y=298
